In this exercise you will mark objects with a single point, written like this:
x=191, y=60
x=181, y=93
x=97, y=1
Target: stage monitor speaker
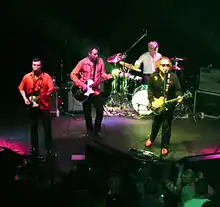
x=9, y=161
x=106, y=157
x=112, y=160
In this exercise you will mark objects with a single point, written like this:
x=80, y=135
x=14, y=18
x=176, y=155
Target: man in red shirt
x=91, y=67
x=38, y=84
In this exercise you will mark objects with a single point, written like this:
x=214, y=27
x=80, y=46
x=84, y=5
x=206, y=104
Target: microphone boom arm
x=128, y=50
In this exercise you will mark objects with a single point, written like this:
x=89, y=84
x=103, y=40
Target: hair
x=36, y=59
x=153, y=44
x=90, y=49
x=157, y=64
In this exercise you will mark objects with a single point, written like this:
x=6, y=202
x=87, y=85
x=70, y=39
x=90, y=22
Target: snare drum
x=140, y=100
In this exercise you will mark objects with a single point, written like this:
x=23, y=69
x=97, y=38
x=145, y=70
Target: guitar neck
x=175, y=99
x=97, y=83
x=45, y=94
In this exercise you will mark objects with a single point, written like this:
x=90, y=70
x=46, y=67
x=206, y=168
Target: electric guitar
x=80, y=95
x=34, y=98
x=162, y=103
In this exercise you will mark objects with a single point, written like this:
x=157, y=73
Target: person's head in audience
x=188, y=177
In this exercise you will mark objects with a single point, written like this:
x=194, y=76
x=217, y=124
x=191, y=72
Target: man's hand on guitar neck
x=180, y=99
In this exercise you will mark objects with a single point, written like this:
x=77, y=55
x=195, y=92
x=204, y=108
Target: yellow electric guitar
x=161, y=103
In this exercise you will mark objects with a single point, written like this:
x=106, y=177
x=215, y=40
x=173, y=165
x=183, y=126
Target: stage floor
x=121, y=133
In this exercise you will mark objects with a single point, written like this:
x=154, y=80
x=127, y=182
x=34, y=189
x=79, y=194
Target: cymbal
x=116, y=58
x=177, y=59
x=129, y=66
x=175, y=67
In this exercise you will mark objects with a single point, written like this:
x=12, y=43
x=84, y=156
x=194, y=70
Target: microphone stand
x=164, y=95
x=61, y=73
x=128, y=50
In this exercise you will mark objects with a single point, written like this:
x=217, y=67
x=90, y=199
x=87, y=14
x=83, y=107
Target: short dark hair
x=36, y=59
x=91, y=48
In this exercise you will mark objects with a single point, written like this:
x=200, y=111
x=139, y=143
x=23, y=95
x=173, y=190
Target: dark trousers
x=164, y=119
x=87, y=110
x=37, y=115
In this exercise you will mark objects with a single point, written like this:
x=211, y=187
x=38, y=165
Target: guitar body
x=161, y=103
x=33, y=101
x=36, y=96
x=81, y=95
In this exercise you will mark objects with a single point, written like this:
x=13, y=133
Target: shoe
x=164, y=151
x=97, y=134
x=50, y=153
x=148, y=143
x=34, y=152
x=88, y=134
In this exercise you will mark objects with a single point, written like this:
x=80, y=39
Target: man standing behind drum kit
x=148, y=59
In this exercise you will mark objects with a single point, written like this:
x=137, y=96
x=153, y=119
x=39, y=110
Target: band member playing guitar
x=35, y=88
x=148, y=59
x=91, y=69
x=163, y=85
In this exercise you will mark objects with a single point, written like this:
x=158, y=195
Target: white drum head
x=140, y=102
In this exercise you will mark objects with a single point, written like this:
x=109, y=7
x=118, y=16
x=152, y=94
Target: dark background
x=62, y=30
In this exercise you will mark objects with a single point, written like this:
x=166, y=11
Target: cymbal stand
x=125, y=103
x=114, y=98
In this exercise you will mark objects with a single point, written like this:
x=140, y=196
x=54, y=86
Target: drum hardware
x=176, y=62
x=140, y=101
x=116, y=58
x=181, y=111
x=122, y=79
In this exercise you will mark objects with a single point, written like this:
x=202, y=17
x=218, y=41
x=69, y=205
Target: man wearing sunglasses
x=163, y=84
x=148, y=59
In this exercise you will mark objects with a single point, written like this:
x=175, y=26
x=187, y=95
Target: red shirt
x=84, y=71
x=43, y=85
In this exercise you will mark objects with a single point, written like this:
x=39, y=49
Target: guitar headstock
x=188, y=95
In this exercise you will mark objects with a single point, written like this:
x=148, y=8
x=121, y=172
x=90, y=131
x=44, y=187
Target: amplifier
x=209, y=80
x=54, y=102
x=207, y=102
x=70, y=104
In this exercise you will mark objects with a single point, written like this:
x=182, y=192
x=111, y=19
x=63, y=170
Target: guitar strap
x=94, y=70
x=166, y=85
x=36, y=89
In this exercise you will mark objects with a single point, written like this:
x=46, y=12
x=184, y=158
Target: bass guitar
x=34, y=98
x=80, y=95
x=162, y=103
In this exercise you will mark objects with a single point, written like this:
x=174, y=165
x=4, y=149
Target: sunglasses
x=165, y=65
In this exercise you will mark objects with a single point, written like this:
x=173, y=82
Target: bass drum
x=140, y=100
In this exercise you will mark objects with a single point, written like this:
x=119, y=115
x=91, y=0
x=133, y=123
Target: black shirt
x=156, y=86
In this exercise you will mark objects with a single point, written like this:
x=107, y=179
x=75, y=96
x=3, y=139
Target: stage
x=189, y=137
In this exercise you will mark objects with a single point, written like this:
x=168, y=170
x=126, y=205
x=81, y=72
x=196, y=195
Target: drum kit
x=128, y=95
